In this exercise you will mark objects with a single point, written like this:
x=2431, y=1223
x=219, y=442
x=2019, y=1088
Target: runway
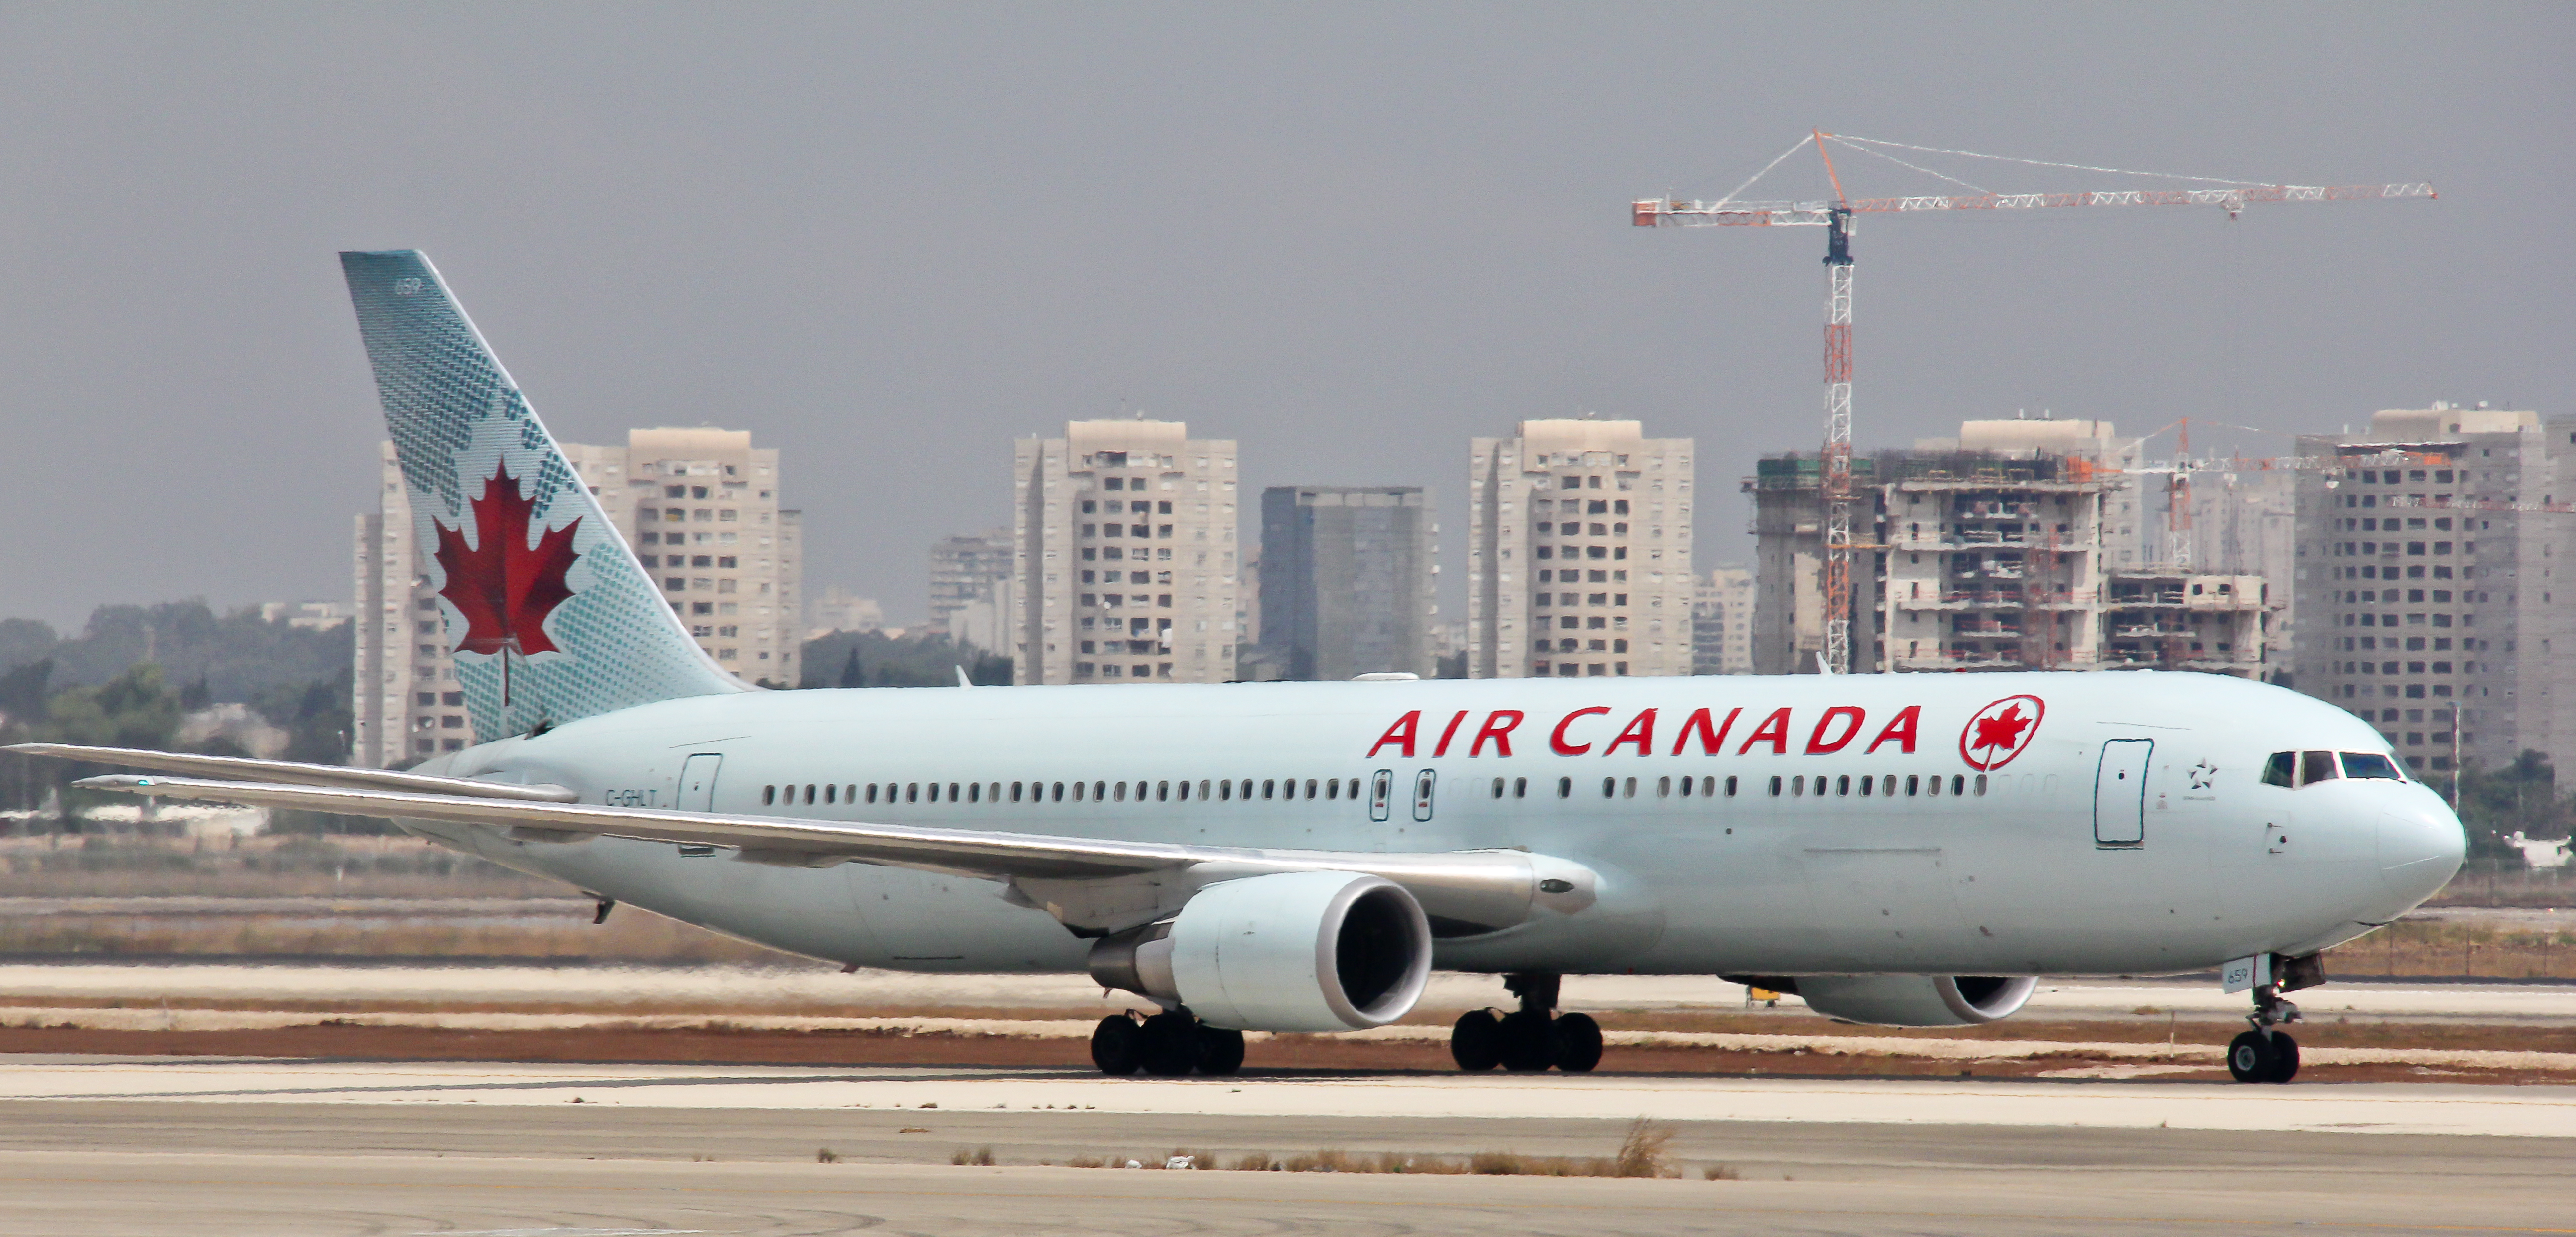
x=388, y=1162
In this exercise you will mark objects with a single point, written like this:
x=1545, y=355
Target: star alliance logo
x=2202, y=775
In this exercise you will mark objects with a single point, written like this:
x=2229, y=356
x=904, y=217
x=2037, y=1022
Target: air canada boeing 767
x=1906, y=849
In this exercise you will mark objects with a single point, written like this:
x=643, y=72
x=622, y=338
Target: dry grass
x=825, y=1155
x=1641, y=1153
x=981, y=1157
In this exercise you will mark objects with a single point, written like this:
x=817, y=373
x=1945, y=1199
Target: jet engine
x=1293, y=951
x=1913, y=1000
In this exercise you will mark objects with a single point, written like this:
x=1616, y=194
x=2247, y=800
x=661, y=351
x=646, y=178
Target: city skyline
x=819, y=226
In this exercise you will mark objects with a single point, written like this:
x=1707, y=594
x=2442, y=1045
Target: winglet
x=962, y=680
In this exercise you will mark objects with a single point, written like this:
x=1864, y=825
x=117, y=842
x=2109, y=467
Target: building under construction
x=2020, y=545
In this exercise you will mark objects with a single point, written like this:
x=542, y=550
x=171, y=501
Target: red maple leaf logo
x=504, y=588
x=2000, y=731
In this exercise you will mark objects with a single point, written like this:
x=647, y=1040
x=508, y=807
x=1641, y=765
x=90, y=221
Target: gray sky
x=889, y=239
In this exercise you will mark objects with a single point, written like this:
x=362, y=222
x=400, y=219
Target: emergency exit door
x=2120, y=793
x=698, y=783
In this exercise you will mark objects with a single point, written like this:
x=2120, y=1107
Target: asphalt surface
x=219, y=1167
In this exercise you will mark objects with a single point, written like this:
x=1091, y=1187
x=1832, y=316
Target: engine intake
x=1294, y=951
x=1907, y=1000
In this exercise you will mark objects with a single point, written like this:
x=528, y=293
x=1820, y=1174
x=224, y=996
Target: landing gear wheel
x=1170, y=1046
x=2250, y=1057
x=1117, y=1045
x=1529, y=1042
x=1578, y=1043
x=1476, y=1041
x=2285, y=1058
x=1220, y=1051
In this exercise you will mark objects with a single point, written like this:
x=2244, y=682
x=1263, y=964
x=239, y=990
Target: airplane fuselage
x=1933, y=824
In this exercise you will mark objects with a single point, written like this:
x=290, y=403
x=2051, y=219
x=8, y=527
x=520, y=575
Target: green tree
x=2521, y=797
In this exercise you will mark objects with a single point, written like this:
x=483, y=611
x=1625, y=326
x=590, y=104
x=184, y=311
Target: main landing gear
x=1528, y=1039
x=1167, y=1045
x=2264, y=1054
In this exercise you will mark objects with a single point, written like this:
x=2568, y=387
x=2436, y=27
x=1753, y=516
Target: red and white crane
x=1836, y=218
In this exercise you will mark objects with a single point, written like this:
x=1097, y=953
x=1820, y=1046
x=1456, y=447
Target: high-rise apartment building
x=1347, y=579
x=1722, y=622
x=1579, y=552
x=2428, y=554
x=1125, y=550
x=2019, y=545
x=965, y=568
x=698, y=506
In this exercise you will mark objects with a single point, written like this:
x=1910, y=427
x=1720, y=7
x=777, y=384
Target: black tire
x=1220, y=1051
x=1529, y=1043
x=1117, y=1045
x=2249, y=1057
x=2285, y=1058
x=1170, y=1045
x=1476, y=1040
x=1578, y=1043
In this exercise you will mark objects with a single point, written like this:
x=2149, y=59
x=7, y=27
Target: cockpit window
x=2315, y=767
x=2370, y=764
x=2282, y=769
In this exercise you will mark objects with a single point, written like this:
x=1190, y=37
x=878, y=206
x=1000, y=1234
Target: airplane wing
x=1089, y=883
x=242, y=768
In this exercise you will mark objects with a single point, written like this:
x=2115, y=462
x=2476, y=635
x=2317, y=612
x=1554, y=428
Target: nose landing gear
x=2264, y=1054
x=1167, y=1045
x=1528, y=1039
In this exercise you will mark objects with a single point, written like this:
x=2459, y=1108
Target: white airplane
x=1913, y=850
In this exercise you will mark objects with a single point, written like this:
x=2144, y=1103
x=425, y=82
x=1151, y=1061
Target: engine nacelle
x=1916, y=1000
x=1293, y=951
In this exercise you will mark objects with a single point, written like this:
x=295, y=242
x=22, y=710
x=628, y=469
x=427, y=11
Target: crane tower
x=1836, y=218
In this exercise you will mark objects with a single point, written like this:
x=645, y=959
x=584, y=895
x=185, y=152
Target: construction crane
x=1836, y=218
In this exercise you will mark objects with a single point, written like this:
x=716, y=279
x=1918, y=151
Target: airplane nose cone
x=2420, y=847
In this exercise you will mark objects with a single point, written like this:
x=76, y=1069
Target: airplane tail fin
x=548, y=614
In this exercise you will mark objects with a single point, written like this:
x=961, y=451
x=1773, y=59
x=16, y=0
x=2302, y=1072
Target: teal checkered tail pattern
x=548, y=613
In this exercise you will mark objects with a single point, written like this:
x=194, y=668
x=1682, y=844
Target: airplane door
x=1423, y=784
x=1381, y=793
x=698, y=783
x=2120, y=793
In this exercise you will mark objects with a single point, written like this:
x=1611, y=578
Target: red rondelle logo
x=2000, y=731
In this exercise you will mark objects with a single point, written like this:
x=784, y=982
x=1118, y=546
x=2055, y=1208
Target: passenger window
x=831, y=794
x=1310, y=788
x=1520, y=788
x=1730, y=787
x=1664, y=787
x=1203, y=789
x=1609, y=787
x=2370, y=765
x=1981, y=783
x=1498, y=788
x=1266, y=788
x=1015, y=791
x=1059, y=792
x=2281, y=769
x=1959, y=783
x=1565, y=788
x=768, y=795
x=2315, y=767
x=1775, y=787
x=1913, y=784
x=1628, y=789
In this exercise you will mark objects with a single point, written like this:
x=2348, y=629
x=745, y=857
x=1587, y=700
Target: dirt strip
x=1964, y=1050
